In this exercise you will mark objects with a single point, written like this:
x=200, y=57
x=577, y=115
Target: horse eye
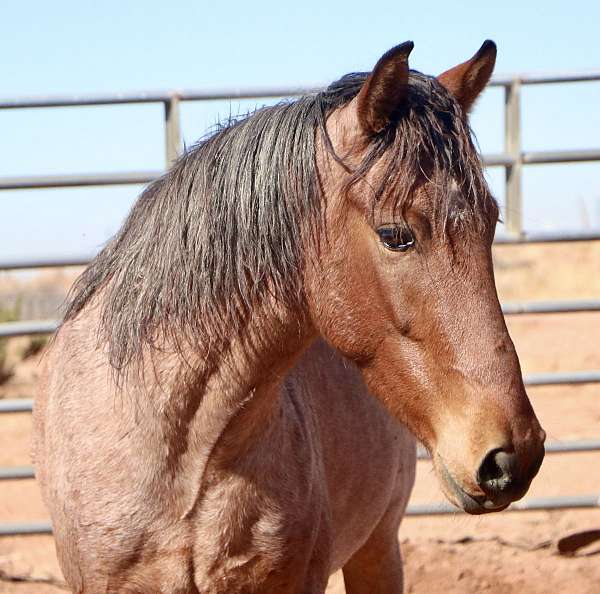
x=395, y=238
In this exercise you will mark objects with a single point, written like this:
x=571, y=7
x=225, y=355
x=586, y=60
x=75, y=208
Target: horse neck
x=230, y=401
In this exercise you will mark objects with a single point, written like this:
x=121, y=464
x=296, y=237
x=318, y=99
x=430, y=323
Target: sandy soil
x=511, y=552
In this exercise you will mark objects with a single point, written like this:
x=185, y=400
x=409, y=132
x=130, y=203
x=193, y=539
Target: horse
x=231, y=403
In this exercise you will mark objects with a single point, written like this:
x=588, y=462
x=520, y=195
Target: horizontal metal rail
x=12, y=329
x=551, y=307
x=553, y=447
x=431, y=509
x=24, y=528
x=42, y=261
x=546, y=237
x=533, y=504
x=566, y=156
x=542, y=157
x=498, y=160
x=15, y=405
x=259, y=92
x=573, y=447
x=558, y=378
x=545, y=78
x=78, y=180
x=144, y=177
x=266, y=92
x=15, y=473
x=10, y=473
x=27, y=328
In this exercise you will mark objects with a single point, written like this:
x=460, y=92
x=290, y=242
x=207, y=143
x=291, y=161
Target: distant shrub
x=35, y=345
x=7, y=314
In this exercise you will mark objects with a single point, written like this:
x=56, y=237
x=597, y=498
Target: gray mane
x=224, y=225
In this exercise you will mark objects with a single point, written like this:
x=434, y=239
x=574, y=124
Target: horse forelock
x=431, y=142
x=226, y=224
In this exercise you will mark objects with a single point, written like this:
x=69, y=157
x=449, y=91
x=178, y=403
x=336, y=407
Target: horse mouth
x=472, y=504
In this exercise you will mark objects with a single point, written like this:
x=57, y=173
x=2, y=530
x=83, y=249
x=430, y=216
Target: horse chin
x=471, y=504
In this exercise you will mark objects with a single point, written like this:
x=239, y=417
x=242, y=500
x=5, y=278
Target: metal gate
x=513, y=159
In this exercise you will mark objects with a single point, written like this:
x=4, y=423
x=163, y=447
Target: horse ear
x=383, y=93
x=468, y=79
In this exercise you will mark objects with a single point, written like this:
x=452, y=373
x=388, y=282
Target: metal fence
x=513, y=160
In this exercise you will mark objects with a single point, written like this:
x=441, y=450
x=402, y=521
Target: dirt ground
x=506, y=553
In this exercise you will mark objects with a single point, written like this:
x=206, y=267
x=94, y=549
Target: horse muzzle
x=499, y=481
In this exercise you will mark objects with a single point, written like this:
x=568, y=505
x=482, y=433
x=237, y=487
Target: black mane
x=205, y=241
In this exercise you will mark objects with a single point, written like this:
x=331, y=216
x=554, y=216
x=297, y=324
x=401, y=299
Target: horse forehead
x=454, y=195
x=428, y=194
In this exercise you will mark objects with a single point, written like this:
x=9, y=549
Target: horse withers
x=226, y=407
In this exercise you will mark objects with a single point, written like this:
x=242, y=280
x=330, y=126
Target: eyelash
x=396, y=238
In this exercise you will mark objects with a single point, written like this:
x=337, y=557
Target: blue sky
x=83, y=47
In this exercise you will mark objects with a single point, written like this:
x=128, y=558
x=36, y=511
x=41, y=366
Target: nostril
x=496, y=471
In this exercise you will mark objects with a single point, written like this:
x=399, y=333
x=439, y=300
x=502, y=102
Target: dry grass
x=548, y=271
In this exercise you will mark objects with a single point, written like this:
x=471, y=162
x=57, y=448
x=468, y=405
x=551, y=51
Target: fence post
x=172, y=131
x=512, y=146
